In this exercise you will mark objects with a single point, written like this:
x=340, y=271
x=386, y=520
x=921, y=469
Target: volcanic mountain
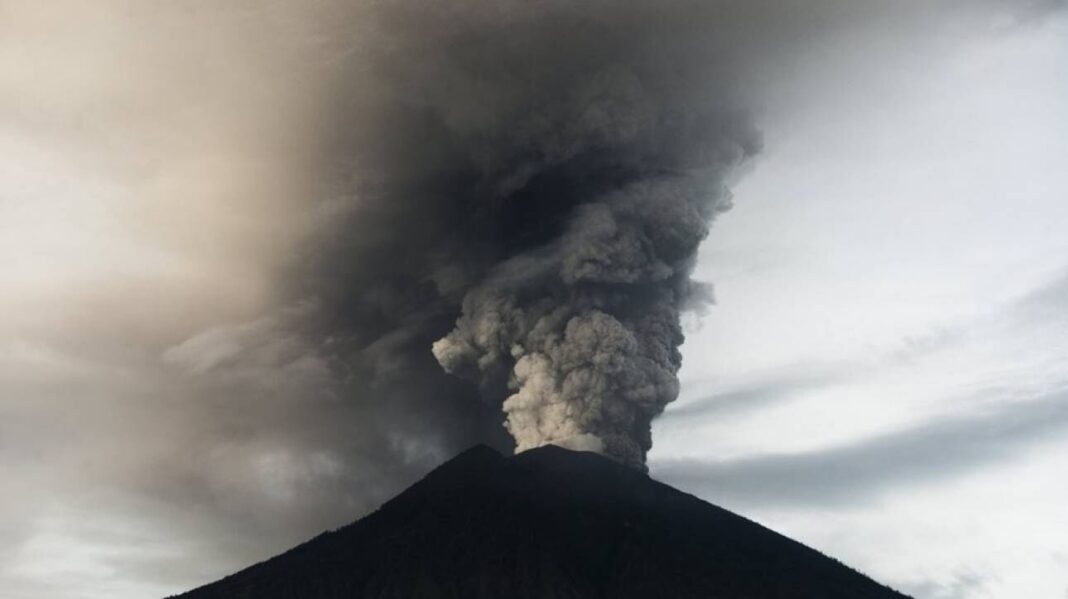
x=547, y=523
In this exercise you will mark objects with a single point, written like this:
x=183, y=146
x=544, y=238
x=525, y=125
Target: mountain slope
x=548, y=523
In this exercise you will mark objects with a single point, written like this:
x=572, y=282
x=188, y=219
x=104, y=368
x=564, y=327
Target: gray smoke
x=527, y=187
x=522, y=187
x=585, y=329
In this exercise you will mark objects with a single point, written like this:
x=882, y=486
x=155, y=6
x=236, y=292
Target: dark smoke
x=523, y=186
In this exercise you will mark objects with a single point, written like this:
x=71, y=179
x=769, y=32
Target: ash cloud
x=528, y=201
x=522, y=188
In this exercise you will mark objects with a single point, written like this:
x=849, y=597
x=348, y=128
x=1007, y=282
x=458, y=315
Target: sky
x=883, y=375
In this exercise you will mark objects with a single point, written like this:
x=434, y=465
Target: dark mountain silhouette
x=548, y=523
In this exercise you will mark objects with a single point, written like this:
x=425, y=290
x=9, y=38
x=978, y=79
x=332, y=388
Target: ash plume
x=516, y=191
x=525, y=192
x=584, y=333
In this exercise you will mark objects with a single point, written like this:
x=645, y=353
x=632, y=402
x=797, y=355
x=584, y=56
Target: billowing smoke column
x=532, y=181
x=620, y=175
x=585, y=329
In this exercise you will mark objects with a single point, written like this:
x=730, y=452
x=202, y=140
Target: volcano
x=547, y=523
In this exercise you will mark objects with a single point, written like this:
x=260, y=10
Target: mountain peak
x=549, y=522
x=480, y=451
x=477, y=457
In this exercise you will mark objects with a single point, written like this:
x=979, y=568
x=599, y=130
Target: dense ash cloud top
x=525, y=186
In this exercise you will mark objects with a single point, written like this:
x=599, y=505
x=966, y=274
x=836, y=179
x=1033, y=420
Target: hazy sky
x=884, y=375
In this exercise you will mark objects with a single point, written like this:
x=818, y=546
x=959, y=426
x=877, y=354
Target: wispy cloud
x=855, y=472
x=760, y=392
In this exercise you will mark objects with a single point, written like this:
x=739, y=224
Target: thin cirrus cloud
x=934, y=451
x=995, y=420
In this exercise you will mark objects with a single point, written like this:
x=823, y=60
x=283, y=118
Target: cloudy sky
x=884, y=375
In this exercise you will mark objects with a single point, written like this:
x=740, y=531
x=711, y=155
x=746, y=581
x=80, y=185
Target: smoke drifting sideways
x=522, y=187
